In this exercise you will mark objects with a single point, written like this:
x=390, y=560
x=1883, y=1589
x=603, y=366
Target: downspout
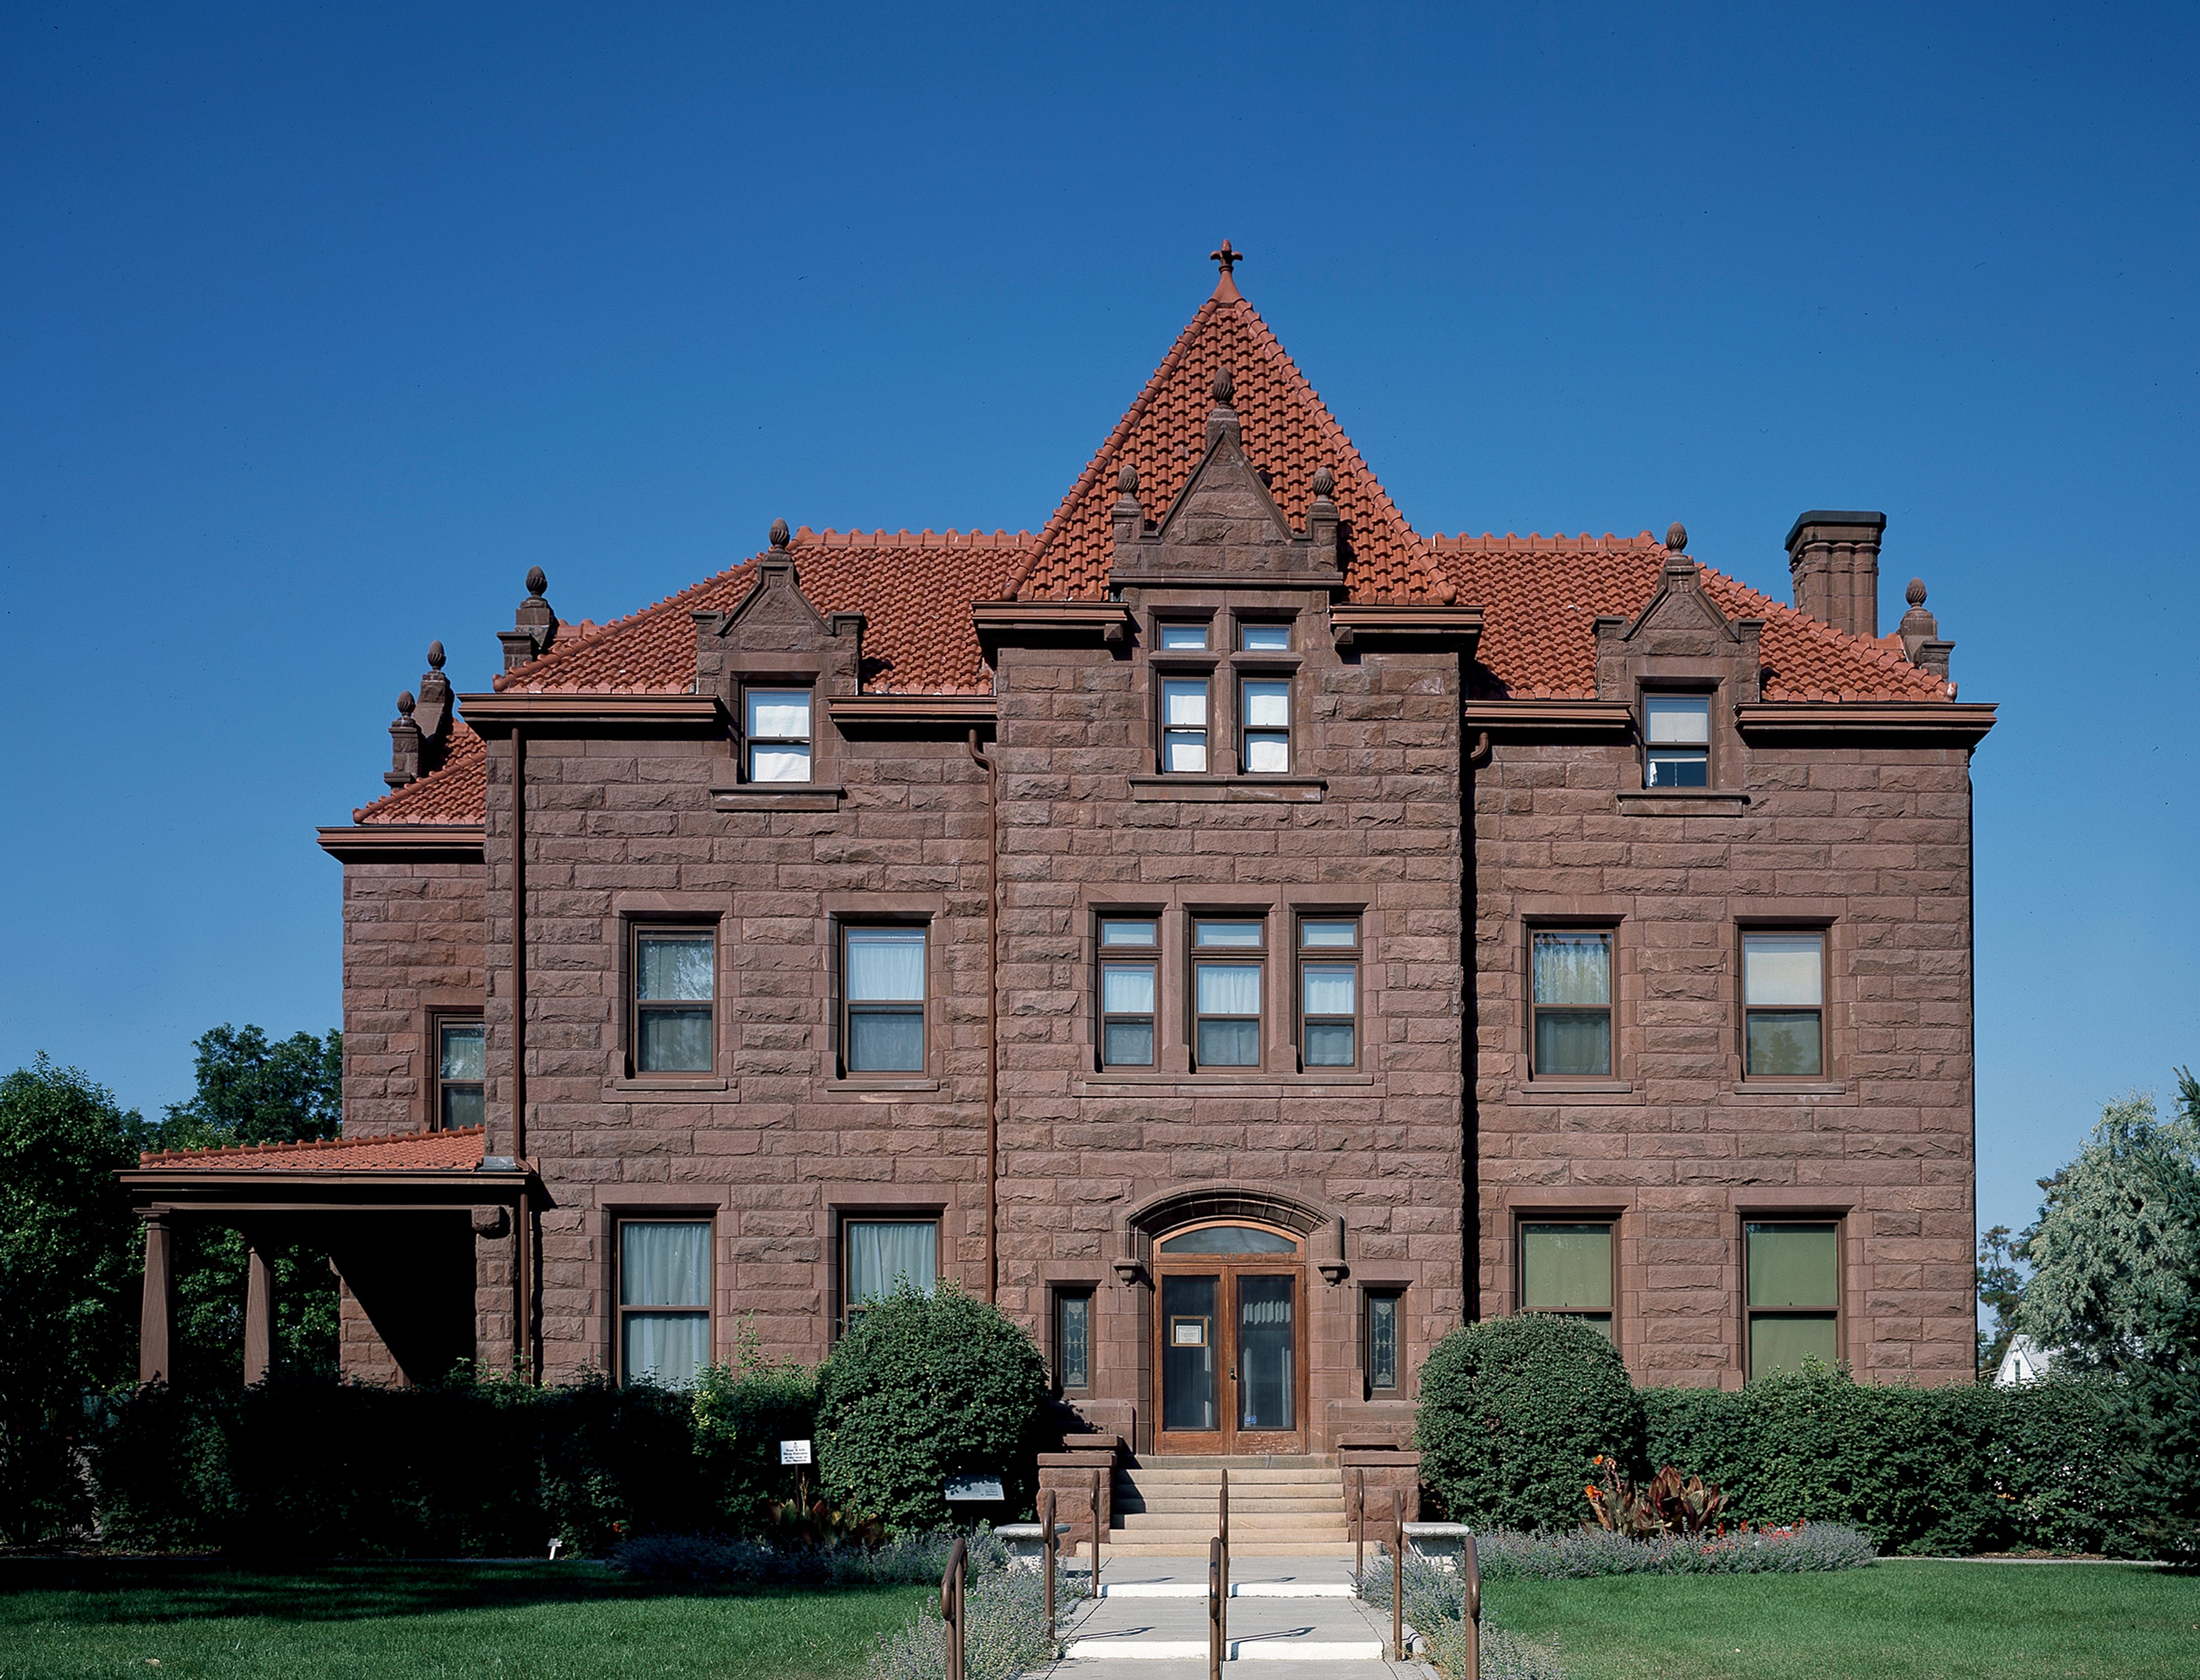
x=523, y=1245
x=992, y=996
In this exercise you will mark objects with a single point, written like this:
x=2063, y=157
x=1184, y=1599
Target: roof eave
x=405, y=842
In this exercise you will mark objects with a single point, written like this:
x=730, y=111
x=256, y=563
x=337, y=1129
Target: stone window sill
x=1579, y=1087
x=859, y=1085
x=786, y=796
x=1196, y=1082
x=1789, y=1088
x=1215, y=789
x=1684, y=801
x=665, y=1087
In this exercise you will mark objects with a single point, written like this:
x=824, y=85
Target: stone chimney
x=1834, y=558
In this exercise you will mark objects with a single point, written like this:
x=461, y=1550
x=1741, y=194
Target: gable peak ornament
x=780, y=534
x=1223, y=388
x=1226, y=286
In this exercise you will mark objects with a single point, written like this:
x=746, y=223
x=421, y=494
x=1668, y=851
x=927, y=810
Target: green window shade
x=1566, y=1269
x=1795, y=1266
x=1782, y=1341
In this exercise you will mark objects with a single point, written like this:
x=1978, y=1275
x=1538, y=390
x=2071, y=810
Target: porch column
x=258, y=1316
x=154, y=1361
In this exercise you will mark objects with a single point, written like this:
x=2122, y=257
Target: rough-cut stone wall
x=1081, y=1150
x=411, y=945
x=1875, y=842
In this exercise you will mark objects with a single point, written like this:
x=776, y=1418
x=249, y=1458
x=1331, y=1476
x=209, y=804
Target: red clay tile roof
x=455, y=791
x=408, y=1152
x=913, y=588
x=1541, y=597
x=1286, y=430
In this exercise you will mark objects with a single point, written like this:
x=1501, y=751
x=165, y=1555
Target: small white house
x=2025, y=1361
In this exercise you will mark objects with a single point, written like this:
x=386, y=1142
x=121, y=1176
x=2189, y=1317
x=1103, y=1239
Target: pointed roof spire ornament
x=1225, y=288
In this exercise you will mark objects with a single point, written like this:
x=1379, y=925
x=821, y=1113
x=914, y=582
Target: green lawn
x=79, y=1619
x=1893, y=1621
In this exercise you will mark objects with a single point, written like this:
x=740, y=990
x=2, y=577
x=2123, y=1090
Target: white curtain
x=1268, y=705
x=1329, y=989
x=675, y=967
x=1183, y=705
x=779, y=763
x=1573, y=969
x=780, y=714
x=885, y=965
x=668, y=1348
x=1128, y=990
x=1782, y=968
x=665, y=1264
x=1677, y=720
x=1229, y=988
x=883, y=1253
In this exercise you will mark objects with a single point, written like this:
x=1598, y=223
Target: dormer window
x=1677, y=736
x=1184, y=725
x=1267, y=725
x=778, y=735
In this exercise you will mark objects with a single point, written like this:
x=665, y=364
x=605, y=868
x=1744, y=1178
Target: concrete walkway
x=1289, y=1618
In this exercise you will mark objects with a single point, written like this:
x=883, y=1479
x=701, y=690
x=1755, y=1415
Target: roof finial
x=1225, y=288
x=1325, y=482
x=779, y=533
x=1915, y=595
x=537, y=582
x=435, y=656
x=1676, y=537
x=405, y=702
x=1223, y=387
x=1127, y=481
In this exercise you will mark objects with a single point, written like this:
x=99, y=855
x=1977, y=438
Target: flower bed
x=1741, y=1550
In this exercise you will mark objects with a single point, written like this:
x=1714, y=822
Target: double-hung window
x=1265, y=730
x=883, y=1027
x=1184, y=725
x=1567, y=1268
x=778, y=735
x=1676, y=737
x=460, y=1067
x=1329, y=992
x=1572, y=980
x=1794, y=1276
x=663, y=1300
x=1129, y=955
x=674, y=983
x=880, y=1256
x=1228, y=958
x=1783, y=992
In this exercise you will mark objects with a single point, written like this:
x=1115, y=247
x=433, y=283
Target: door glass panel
x=1230, y=1239
x=1188, y=1338
x=1267, y=1378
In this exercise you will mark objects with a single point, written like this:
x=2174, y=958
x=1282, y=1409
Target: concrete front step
x=1170, y=1471
x=1176, y=1545
x=1276, y=1505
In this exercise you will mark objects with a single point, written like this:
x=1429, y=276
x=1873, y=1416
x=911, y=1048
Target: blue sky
x=317, y=331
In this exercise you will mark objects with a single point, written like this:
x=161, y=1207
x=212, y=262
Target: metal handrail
x=1095, y=1534
x=1470, y=1569
x=1216, y=1638
x=1359, y=1529
x=1046, y=1552
x=952, y=1583
x=1397, y=1575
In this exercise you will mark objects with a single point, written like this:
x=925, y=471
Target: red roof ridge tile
x=233, y=1151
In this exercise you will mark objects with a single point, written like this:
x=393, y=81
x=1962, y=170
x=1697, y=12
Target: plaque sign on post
x=794, y=1452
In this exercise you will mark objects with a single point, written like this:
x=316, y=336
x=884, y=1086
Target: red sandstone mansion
x=1239, y=934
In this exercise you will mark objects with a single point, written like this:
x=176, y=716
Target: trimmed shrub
x=740, y=1419
x=923, y=1388
x=1513, y=1413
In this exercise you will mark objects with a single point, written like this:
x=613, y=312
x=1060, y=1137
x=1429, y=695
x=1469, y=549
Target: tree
x=2116, y=1254
x=253, y=1090
x=2001, y=1289
x=67, y=1282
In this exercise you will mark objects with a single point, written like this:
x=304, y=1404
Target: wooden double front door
x=1230, y=1342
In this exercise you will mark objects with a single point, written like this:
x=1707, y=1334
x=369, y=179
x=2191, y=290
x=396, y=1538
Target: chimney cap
x=1833, y=516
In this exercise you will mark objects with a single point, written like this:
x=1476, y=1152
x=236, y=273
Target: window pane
x=1188, y=1348
x=462, y=1107
x=1265, y=638
x=665, y=1264
x=1075, y=1340
x=1566, y=1269
x=1267, y=754
x=1782, y=1341
x=1184, y=635
x=882, y=1254
x=1786, y=1044
x=1230, y=1239
x=1573, y=1043
x=1328, y=932
x=782, y=713
x=1783, y=968
x=1267, y=1354
x=1328, y=1044
x=779, y=763
x=1795, y=1266
x=674, y=966
x=1383, y=1341
x=1130, y=1044
x=1127, y=933
x=1184, y=705
x=675, y=1041
x=885, y=1041
x=667, y=1348
x=462, y=1050
x=1228, y=934
x=1677, y=720
x=1677, y=767
x=1126, y=988
x=1329, y=988
x=1230, y=1043
x=1268, y=705
x=1228, y=988
x=1184, y=753
x=885, y=965
x=1573, y=968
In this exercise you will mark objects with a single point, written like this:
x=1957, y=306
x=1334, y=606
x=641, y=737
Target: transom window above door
x=1248, y=1240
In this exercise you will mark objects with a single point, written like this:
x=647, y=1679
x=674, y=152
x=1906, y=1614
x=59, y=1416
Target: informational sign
x=794, y=1452
x=1188, y=1332
x=973, y=1488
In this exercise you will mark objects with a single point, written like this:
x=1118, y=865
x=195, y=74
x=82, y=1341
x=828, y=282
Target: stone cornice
x=496, y=714
x=962, y=712
x=1416, y=619
x=1899, y=720
x=1000, y=619
x=405, y=843
x=1571, y=717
